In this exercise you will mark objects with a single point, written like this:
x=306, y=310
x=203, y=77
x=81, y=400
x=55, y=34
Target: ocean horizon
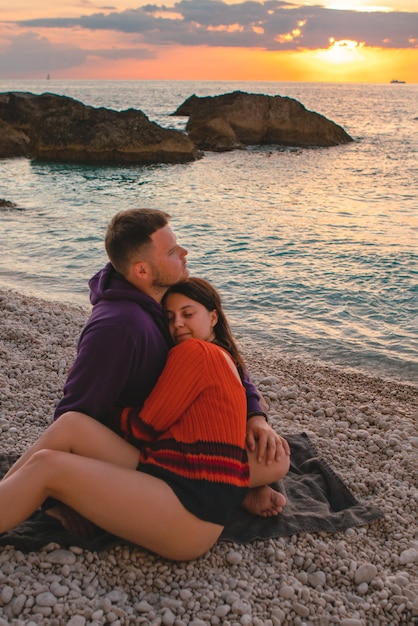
x=314, y=251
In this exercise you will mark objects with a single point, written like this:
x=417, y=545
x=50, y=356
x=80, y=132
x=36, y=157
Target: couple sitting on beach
x=154, y=443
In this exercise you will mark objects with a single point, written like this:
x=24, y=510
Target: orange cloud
x=202, y=40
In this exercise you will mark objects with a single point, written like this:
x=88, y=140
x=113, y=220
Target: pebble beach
x=366, y=428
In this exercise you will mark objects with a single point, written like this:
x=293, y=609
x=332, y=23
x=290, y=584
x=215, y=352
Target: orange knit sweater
x=191, y=430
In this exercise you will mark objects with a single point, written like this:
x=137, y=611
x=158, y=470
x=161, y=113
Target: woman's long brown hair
x=201, y=291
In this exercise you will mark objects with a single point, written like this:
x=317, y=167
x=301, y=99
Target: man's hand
x=72, y=521
x=270, y=444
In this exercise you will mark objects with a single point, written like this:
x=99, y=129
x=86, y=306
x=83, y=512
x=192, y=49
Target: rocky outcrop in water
x=237, y=119
x=13, y=142
x=58, y=128
x=7, y=204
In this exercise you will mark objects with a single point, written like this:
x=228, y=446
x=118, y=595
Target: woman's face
x=189, y=319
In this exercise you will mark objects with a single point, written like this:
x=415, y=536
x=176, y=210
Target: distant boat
x=48, y=77
x=397, y=82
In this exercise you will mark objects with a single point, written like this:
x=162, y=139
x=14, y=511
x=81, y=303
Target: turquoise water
x=314, y=251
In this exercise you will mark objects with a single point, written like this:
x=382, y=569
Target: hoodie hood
x=108, y=284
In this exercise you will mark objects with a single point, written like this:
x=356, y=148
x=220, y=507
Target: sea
x=314, y=251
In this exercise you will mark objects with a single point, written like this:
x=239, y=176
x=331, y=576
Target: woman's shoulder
x=203, y=356
x=205, y=350
x=196, y=345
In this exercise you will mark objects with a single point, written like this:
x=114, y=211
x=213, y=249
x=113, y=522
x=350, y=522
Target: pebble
x=408, y=556
x=361, y=576
x=234, y=558
x=286, y=591
x=365, y=573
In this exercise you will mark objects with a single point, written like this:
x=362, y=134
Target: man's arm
x=260, y=435
x=93, y=386
x=255, y=404
x=99, y=373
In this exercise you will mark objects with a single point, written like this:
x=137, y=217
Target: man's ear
x=140, y=268
x=139, y=272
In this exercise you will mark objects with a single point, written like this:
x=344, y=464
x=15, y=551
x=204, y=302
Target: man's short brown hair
x=129, y=234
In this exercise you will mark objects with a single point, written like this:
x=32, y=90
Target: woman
x=172, y=491
x=194, y=310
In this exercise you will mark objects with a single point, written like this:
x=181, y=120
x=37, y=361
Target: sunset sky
x=268, y=40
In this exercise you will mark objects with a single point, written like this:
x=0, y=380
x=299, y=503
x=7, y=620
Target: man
x=123, y=348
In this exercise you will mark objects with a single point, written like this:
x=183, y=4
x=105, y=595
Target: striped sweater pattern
x=191, y=430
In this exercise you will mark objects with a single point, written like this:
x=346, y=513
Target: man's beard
x=160, y=280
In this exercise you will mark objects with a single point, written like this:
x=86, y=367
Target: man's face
x=167, y=260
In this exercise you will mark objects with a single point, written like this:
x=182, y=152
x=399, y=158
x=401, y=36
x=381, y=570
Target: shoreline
x=366, y=428
x=81, y=303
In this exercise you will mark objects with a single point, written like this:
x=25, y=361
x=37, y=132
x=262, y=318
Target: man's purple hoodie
x=121, y=352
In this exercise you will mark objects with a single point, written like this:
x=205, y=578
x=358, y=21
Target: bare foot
x=264, y=501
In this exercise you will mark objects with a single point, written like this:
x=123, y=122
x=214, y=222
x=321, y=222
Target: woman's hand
x=261, y=436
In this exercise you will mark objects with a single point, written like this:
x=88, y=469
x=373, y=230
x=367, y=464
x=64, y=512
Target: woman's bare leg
x=80, y=434
x=123, y=501
x=261, y=499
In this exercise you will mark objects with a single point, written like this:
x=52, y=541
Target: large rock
x=237, y=119
x=58, y=128
x=13, y=143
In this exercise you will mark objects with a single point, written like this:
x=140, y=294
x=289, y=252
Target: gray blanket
x=317, y=500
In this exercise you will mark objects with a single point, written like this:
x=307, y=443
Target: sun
x=342, y=51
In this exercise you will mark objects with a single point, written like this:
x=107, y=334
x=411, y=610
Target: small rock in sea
x=7, y=204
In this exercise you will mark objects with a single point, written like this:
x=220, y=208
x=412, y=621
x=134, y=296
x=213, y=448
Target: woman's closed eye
x=171, y=316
